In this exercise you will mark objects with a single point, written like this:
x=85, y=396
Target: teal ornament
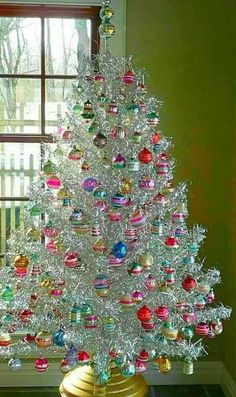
x=133, y=108
x=99, y=192
x=128, y=370
x=86, y=309
x=66, y=202
x=92, y=128
x=34, y=257
x=103, y=377
x=188, y=331
x=188, y=260
x=7, y=294
x=119, y=250
x=193, y=249
x=152, y=118
x=6, y=318
x=75, y=314
x=58, y=337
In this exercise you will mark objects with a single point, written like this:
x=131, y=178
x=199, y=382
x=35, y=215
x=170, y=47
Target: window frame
x=43, y=11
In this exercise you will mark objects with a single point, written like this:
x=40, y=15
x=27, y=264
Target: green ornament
x=133, y=108
x=34, y=257
x=77, y=108
x=103, y=377
x=49, y=168
x=188, y=332
x=106, y=12
x=92, y=128
x=7, y=294
x=35, y=210
x=86, y=309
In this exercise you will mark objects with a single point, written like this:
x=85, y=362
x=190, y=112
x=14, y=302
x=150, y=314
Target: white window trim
x=117, y=44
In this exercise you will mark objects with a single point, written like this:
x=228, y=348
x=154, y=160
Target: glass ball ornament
x=71, y=260
x=82, y=357
x=137, y=219
x=90, y=322
x=89, y=184
x=119, y=250
x=115, y=262
x=25, y=315
x=152, y=118
x=202, y=328
x=171, y=242
x=114, y=215
x=77, y=108
x=108, y=325
x=112, y=109
x=100, y=282
x=75, y=154
x=135, y=269
x=53, y=182
x=35, y=210
x=48, y=168
x=5, y=339
x=118, y=133
x=65, y=366
x=75, y=315
x=50, y=230
x=189, y=283
x=119, y=200
x=33, y=234
x=106, y=12
x=7, y=294
x=14, y=364
x=100, y=140
x=48, y=195
x=21, y=261
x=145, y=156
x=188, y=366
x=87, y=111
x=146, y=260
x=146, y=183
x=126, y=301
x=99, y=247
x=140, y=366
x=58, y=337
x=41, y=364
x=144, y=313
x=43, y=339
x=162, y=312
x=128, y=370
x=128, y=77
x=126, y=186
x=118, y=162
x=106, y=30
x=137, y=296
x=103, y=377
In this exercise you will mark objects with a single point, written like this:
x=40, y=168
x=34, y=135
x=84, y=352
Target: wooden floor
x=155, y=391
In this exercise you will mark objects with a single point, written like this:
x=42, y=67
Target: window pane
x=57, y=91
x=65, y=40
x=20, y=45
x=11, y=214
x=20, y=105
x=19, y=163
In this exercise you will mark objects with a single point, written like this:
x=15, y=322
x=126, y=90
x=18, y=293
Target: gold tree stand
x=80, y=383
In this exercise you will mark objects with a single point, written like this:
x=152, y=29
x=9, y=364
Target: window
x=40, y=46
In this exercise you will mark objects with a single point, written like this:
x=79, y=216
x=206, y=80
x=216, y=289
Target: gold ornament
x=164, y=365
x=43, y=339
x=21, y=261
x=33, y=234
x=126, y=185
x=80, y=383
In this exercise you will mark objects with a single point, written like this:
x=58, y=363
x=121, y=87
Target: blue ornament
x=58, y=337
x=70, y=356
x=119, y=250
x=14, y=363
x=89, y=184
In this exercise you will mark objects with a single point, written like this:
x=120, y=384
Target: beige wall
x=186, y=46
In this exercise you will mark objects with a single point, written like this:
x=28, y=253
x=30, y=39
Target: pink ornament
x=162, y=168
x=25, y=315
x=137, y=296
x=148, y=325
x=41, y=364
x=126, y=301
x=114, y=215
x=99, y=78
x=202, y=329
x=56, y=292
x=140, y=366
x=20, y=271
x=189, y=317
x=180, y=306
x=50, y=231
x=128, y=77
x=210, y=298
x=53, y=182
x=160, y=198
x=100, y=205
x=115, y=262
x=90, y=322
x=137, y=219
x=146, y=183
x=217, y=327
x=130, y=234
x=150, y=283
x=71, y=260
x=51, y=247
x=162, y=312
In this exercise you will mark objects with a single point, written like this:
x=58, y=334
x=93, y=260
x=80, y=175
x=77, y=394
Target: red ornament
x=155, y=138
x=148, y=325
x=41, y=364
x=143, y=356
x=189, y=283
x=144, y=313
x=171, y=242
x=29, y=338
x=162, y=312
x=82, y=357
x=145, y=156
x=25, y=315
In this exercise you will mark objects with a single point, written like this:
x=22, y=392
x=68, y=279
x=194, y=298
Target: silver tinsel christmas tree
x=107, y=270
